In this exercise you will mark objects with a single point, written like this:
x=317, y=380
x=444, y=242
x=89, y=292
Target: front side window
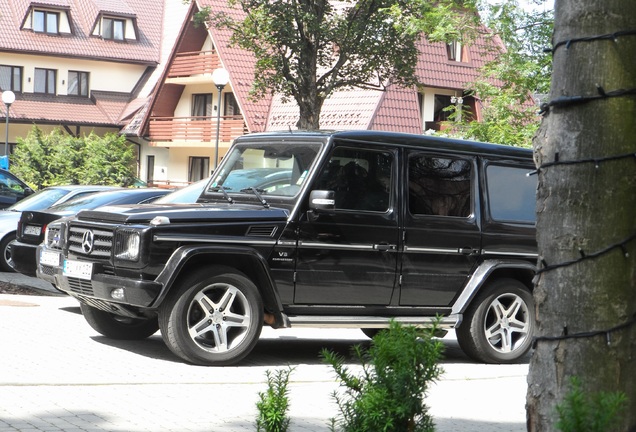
x=44, y=81
x=77, y=83
x=46, y=21
x=439, y=186
x=511, y=193
x=360, y=178
x=113, y=29
x=10, y=78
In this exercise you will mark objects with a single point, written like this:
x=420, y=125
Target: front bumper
x=100, y=286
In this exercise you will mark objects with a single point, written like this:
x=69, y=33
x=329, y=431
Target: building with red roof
x=149, y=75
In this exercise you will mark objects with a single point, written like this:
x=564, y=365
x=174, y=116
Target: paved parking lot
x=57, y=374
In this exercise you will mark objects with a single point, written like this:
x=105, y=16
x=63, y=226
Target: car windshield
x=39, y=200
x=272, y=169
x=87, y=202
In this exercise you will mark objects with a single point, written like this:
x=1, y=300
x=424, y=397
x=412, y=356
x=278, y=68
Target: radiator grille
x=102, y=242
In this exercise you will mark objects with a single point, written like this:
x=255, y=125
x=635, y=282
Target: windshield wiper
x=257, y=192
x=224, y=192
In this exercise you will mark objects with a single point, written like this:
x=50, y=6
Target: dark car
x=42, y=199
x=32, y=224
x=12, y=189
x=367, y=228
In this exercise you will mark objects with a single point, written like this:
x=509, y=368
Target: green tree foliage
x=507, y=85
x=306, y=50
x=397, y=371
x=57, y=158
x=583, y=412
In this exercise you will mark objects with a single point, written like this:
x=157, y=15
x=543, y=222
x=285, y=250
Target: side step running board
x=447, y=322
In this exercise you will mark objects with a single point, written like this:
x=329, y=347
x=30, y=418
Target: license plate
x=49, y=258
x=78, y=269
x=32, y=230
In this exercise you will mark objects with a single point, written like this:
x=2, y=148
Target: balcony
x=195, y=131
x=188, y=64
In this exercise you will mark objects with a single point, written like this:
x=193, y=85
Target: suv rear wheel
x=212, y=320
x=499, y=324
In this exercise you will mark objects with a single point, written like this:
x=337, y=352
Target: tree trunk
x=585, y=209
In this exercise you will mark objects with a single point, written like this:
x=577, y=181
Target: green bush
x=581, y=412
x=57, y=158
x=274, y=403
x=397, y=371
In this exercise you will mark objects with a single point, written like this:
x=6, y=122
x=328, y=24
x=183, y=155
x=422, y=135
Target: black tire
x=5, y=259
x=118, y=327
x=213, y=317
x=370, y=332
x=499, y=324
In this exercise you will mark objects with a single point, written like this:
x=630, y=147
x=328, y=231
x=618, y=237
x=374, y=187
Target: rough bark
x=584, y=208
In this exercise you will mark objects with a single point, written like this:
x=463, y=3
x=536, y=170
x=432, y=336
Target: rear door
x=441, y=239
x=349, y=256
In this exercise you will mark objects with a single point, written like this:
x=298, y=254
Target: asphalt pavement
x=57, y=374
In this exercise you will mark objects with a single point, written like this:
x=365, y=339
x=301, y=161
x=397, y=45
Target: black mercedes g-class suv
x=320, y=229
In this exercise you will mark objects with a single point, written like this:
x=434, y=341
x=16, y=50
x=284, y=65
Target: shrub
x=397, y=370
x=273, y=404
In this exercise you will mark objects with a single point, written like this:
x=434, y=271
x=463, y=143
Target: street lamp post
x=8, y=97
x=220, y=77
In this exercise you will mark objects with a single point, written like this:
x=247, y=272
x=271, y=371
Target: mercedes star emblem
x=87, y=241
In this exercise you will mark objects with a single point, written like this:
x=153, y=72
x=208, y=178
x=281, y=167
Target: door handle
x=383, y=247
x=467, y=251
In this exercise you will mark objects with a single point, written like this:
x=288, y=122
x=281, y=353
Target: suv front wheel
x=212, y=318
x=499, y=324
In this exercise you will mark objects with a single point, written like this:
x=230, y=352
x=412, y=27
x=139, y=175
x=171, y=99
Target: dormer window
x=456, y=52
x=113, y=28
x=46, y=21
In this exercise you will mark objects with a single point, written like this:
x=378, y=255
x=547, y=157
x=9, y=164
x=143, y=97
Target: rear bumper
x=23, y=256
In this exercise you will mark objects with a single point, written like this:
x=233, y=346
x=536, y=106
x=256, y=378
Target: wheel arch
x=489, y=270
x=244, y=260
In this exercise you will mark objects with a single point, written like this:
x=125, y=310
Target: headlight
x=127, y=245
x=53, y=236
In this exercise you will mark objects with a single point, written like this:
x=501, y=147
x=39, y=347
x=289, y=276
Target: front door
x=349, y=256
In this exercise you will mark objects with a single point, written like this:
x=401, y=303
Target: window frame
x=46, y=81
x=231, y=104
x=111, y=35
x=45, y=21
x=12, y=78
x=83, y=91
x=208, y=105
x=201, y=164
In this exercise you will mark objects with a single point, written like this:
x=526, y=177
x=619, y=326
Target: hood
x=144, y=213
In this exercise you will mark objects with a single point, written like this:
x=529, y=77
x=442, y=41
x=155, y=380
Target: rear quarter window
x=511, y=193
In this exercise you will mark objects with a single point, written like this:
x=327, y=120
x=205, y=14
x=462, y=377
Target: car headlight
x=127, y=245
x=53, y=236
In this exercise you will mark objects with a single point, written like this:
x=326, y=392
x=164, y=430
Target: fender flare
x=480, y=277
x=184, y=254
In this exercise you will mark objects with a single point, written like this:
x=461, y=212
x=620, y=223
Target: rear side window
x=511, y=193
x=439, y=186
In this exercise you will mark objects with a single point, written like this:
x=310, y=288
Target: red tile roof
x=102, y=109
x=240, y=65
x=83, y=15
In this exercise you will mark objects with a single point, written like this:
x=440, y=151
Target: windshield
x=273, y=169
x=39, y=200
x=87, y=202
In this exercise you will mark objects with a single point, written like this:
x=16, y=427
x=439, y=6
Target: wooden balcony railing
x=196, y=129
x=194, y=63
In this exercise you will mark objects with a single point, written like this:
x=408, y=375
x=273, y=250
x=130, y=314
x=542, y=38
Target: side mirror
x=322, y=200
x=28, y=191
